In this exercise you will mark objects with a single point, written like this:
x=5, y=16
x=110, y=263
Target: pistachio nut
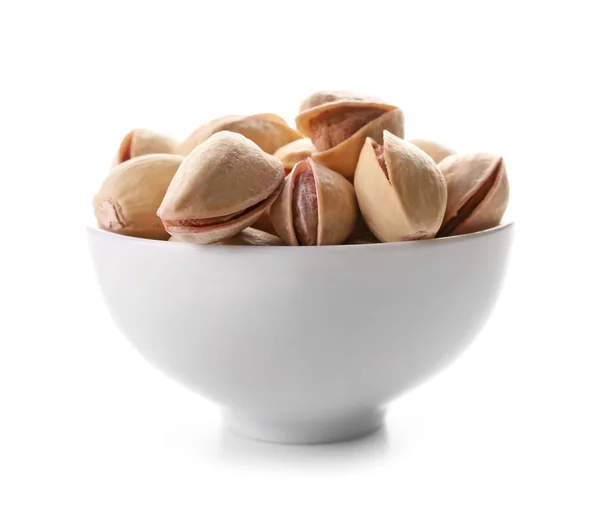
x=316, y=207
x=141, y=141
x=295, y=151
x=434, y=149
x=268, y=131
x=223, y=186
x=131, y=194
x=478, y=192
x=400, y=190
x=249, y=236
x=339, y=122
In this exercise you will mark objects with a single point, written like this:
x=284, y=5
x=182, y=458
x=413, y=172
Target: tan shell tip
x=124, y=152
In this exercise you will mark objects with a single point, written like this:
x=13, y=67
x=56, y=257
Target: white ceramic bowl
x=301, y=344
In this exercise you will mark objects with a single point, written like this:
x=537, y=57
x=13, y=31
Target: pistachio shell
x=338, y=122
x=222, y=187
x=316, y=207
x=140, y=141
x=268, y=131
x=249, y=236
x=343, y=158
x=434, y=149
x=333, y=113
x=400, y=190
x=252, y=236
x=295, y=151
x=478, y=192
x=334, y=97
x=264, y=223
x=131, y=194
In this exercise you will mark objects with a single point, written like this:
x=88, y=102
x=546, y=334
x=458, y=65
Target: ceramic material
x=302, y=344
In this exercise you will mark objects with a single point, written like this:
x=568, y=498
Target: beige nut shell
x=337, y=208
x=334, y=97
x=410, y=204
x=249, y=236
x=141, y=141
x=295, y=151
x=478, y=192
x=263, y=223
x=304, y=119
x=268, y=131
x=434, y=149
x=131, y=194
x=226, y=175
x=343, y=158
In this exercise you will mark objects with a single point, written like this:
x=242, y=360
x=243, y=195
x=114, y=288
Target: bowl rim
x=92, y=229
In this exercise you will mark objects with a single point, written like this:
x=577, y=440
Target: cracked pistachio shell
x=141, y=141
x=338, y=125
x=336, y=96
x=400, y=190
x=478, y=192
x=316, y=207
x=295, y=151
x=131, y=194
x=343, y=158
x=434, y=149
x=221, y=187
x=336, y=117
x=249, y=236
x=268, y=131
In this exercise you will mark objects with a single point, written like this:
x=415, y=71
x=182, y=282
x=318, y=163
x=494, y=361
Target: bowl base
x=304, y=431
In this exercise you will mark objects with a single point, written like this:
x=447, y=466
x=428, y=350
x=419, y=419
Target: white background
x=85, y=420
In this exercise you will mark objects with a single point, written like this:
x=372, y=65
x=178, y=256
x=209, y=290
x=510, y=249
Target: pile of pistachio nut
x=345, y=176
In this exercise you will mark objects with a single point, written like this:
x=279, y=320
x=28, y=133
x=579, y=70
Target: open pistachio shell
x=295, y=151
x=434, y=149
x=223, y=186
x=316, y=207
x=400, y=190
x=141, y=141
x=334, y=97
x=338, y=122
x=131, y=194
x=330, y=124
x=478, y=193
x=343, y=158
x=268, y=131
x=249, y=236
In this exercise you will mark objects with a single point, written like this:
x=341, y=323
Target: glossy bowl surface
x=302, y=344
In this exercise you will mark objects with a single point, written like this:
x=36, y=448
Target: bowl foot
x=302, y=430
